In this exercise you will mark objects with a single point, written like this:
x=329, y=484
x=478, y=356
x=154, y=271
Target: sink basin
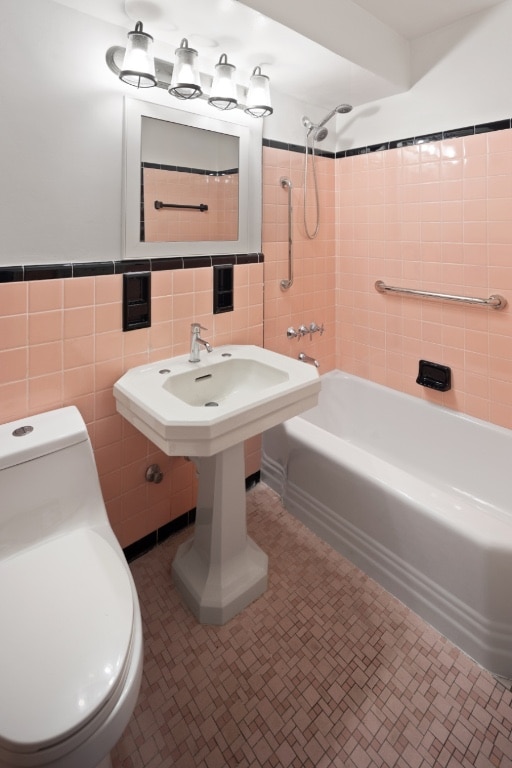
x=231, y=394
x=220, y=384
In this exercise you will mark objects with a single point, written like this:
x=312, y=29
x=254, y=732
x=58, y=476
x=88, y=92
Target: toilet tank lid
x=34, y=436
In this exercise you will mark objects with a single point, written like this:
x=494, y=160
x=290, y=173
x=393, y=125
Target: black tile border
x=140, y=547
x=94, y=268
x=455, y=133
x=297, y=148
x=11, y=274
x=496, y=125
x=185, y=169
x=23, y=273
x=47, y=271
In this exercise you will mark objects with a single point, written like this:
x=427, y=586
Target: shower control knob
x=291, y=333
x=314, y=328
x=302, y=331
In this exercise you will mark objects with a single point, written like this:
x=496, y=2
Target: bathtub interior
x=465, y=455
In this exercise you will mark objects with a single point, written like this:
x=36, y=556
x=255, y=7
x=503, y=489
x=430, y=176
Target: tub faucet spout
x=307, y=359
x=196, y=342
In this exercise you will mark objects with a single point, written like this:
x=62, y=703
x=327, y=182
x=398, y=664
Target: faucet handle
x=196, y=327
x=313, y=328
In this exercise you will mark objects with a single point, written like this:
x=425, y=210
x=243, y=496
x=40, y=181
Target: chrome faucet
x=196, y=342
x=307, y=359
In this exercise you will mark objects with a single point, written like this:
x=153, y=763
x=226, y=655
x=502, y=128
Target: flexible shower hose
x=313, y=234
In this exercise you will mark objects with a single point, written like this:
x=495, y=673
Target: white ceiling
x=415, y=18
x=323, y=51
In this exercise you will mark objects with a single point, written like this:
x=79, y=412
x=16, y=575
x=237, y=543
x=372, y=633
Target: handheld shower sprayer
x=317, y=129
x=318, y=132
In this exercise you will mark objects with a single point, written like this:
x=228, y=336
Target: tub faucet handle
x=314, y=328
x=302, y=331
x=291, y=333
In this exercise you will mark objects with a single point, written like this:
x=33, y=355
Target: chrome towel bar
x=495, y=301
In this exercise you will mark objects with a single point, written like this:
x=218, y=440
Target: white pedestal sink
x=205, y=411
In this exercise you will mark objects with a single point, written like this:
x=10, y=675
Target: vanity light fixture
x=185, y=83
x=182, y=78
x=223, y=93
x=258, y=97
x=139, y=65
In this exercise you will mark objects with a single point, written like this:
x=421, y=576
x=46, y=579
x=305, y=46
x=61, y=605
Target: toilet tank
x=48, y=479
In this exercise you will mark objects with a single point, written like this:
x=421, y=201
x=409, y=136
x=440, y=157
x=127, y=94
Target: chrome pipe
x=495, y=301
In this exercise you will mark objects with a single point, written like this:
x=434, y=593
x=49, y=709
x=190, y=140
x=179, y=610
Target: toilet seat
x=67, y=612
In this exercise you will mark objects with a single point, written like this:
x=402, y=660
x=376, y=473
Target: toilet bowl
x=71, y=639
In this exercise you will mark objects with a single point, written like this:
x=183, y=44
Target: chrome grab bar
x=495, y=301
x=285, y=284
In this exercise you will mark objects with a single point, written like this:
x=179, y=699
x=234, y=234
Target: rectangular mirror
x=192, y=182
x=189, y=180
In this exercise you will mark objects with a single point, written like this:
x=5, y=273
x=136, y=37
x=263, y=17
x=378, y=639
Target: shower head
x=319, y=131
x=340, y=109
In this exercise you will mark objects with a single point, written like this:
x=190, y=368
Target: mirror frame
x=250, y=180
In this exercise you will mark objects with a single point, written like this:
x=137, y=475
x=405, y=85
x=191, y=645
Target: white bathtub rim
x=423, y=403
x=475, y=436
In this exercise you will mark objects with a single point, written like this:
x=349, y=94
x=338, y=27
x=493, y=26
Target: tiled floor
x=326, y=669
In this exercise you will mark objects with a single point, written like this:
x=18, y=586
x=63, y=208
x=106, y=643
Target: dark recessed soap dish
x=434, y=376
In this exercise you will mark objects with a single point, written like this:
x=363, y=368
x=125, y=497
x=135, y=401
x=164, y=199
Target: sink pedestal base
x=220, y=571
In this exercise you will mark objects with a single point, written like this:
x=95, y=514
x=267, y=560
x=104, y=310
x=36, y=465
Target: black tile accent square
x=136, y=300
x=223, y=288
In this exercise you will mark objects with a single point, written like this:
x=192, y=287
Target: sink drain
x=210, y=404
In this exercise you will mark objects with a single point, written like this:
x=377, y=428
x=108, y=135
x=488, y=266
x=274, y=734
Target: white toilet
x=71, y=634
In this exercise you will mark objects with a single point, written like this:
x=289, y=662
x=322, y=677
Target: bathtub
x=416, y=495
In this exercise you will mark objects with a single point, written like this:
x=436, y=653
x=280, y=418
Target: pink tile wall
x=219, y=193
x=312, y=295
x=61, y=343
x=435, y=216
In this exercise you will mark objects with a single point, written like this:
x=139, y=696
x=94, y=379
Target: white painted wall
x=462, y=76
x=60, y=133
x=175, y=144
